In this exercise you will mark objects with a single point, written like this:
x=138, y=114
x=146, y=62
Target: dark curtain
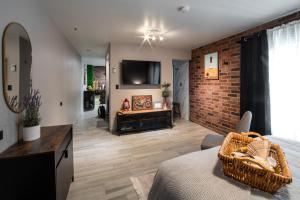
x=255, y=93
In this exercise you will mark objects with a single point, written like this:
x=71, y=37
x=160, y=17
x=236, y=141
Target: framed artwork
x=211, y=66
x=143, y=102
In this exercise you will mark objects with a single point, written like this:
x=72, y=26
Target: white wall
x=86, y=60
x=56, y=68
x=119, y=52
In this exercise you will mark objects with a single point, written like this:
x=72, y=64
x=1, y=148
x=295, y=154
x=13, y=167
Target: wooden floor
x=104, y=162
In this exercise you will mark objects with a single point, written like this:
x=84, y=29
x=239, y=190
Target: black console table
x=135, y=121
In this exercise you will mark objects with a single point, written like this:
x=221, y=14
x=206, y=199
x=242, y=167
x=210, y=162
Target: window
x=284, y=75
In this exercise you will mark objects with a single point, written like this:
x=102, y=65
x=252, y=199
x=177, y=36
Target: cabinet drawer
x=128, y=117
x=64, y=173
x=59, y=153
x=147, y=124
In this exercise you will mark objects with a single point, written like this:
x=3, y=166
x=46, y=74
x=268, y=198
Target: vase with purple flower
x=31, y=118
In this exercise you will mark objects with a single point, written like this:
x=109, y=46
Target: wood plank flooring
x=105, y=162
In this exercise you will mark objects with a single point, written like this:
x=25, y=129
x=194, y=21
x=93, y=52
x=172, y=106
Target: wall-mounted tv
x=134, y=72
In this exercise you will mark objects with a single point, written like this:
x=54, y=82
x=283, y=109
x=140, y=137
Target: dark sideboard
x=41, y=169
x=135, y=121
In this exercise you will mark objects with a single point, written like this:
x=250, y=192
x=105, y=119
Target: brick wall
x=215, y=104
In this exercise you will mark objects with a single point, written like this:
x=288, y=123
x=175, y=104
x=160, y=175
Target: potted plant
x=89, y=88
x=31, y=118
x=165, y=94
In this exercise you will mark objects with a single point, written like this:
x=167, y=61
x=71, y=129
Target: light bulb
x=161, y=38
x=146, y=37
x=153, y=38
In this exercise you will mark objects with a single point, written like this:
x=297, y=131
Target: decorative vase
x=31, y=133
x=165, y=107
x=165, y=103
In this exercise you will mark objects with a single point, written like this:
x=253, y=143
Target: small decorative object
x=165, y=107
x=262, y=163
x=165, y=94
x=211, y=66
x=126, y=105
x=143, y=102
x=243, y=149
x=259, y=148
x=272, y=161
x=31, y=118
x=268, y=174
x=258, y=151
x=238, y=154
x=158, y=105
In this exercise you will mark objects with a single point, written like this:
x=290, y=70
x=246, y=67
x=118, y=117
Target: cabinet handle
x=66, y=153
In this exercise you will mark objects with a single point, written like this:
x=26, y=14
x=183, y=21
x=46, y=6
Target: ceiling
x=99, y=22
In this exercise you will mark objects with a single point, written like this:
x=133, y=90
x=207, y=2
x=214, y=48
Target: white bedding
x=198, y=175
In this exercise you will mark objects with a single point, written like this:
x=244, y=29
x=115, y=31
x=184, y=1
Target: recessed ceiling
x=99, y=22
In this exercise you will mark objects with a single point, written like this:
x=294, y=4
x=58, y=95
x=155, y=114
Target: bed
x=198, y=175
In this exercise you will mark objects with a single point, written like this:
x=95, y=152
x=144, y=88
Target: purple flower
x=32, y=104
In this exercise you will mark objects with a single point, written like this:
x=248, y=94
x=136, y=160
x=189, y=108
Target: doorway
x=181, y=89
x=94, y=95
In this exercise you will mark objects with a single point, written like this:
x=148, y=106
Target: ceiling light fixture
x=153, y=34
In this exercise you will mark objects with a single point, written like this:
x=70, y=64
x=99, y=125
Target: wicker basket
x=254, y=175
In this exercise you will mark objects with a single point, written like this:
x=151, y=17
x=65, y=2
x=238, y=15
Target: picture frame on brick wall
x=211, y=66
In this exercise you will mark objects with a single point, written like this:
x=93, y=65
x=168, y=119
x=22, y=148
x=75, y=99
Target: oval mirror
x=16, y=66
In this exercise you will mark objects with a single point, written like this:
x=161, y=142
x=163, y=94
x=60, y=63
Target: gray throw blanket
x=198, y=175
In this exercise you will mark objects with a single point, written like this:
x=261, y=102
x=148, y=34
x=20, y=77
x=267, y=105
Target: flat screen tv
x=134, y=72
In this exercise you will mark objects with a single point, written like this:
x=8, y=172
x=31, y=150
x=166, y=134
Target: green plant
x=166, y=92
x=32, y=104
x=89, y=88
